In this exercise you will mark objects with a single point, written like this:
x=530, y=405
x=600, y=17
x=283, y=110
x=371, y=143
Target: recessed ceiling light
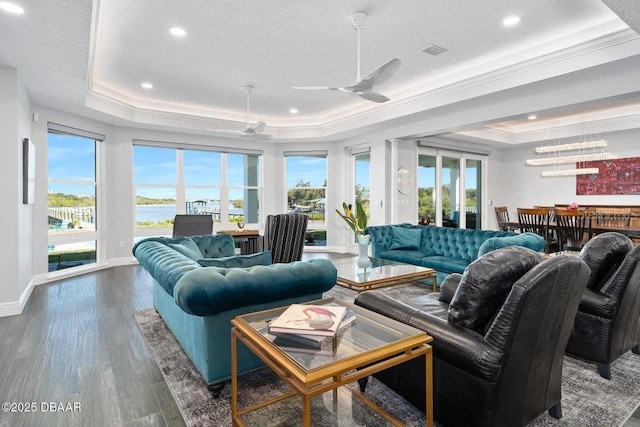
x=11, y=7
x=293, y=111
x=147, y=85
x=510, y=21
x=532, y=117
x=177, y=31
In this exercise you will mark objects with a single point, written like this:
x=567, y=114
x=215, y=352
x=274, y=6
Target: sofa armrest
x=208, y=290
x=458, y=346
x=528, y=240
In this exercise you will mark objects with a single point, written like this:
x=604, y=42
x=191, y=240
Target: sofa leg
x=556, y=411
x=604, y=370
x=215, y=389
x=362, y=382
x=636, y=349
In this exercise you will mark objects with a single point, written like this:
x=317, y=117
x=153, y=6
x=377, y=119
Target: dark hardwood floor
x=77, y=343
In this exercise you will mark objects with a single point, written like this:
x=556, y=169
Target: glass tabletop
x=380, y=270
x=367, y=332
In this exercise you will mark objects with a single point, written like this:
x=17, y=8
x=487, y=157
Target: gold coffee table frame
x=310, y=383
x=382, y=274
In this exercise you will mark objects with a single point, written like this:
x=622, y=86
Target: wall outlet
x=122, y=243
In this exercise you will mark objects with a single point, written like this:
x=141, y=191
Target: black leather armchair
x=607, y=323
x=499, y=333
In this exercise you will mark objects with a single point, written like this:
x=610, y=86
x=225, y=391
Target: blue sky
x=71, y=158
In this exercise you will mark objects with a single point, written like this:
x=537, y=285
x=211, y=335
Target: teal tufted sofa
x=446, y=250
x=197, y=303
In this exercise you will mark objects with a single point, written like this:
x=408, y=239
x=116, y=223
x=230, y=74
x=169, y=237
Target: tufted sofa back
x=215, y=246
x=450, y=242
x=167, y=265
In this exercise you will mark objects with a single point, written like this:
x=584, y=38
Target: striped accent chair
x=284, y=236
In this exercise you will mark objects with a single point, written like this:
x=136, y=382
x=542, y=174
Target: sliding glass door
x=450, y=188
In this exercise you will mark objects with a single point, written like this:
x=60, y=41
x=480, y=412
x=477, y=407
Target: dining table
x=632, y=230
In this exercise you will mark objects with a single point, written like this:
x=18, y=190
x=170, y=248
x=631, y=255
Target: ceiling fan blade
x=383, y=73
x=315, y=88
x=374, y=96
x=259, y=127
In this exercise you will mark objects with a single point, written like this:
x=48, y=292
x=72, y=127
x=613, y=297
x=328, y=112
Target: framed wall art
x=28, y=171
x=616, y=177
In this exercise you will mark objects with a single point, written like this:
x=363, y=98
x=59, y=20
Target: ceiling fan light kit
x=363, y=87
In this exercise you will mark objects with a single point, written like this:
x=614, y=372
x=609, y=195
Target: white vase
x=363, y=260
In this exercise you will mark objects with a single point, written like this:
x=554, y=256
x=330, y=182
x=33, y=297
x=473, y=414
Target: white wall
x=522, y=186
x=16, y=248
x=25, y=211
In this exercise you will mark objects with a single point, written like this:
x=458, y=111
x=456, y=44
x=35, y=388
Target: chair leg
x=636, y=349
x=362, y=382
x=556, y=411
x=604, y=370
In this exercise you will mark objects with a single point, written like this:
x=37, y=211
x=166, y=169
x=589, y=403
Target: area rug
x=587, y=399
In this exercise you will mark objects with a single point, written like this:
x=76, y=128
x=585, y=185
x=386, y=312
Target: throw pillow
x=238, y=261
x=406, y=238
x=188, y=248
x=485, y=284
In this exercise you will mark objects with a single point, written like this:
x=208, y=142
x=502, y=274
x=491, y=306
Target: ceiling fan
x=252, y=130
x=364, y=87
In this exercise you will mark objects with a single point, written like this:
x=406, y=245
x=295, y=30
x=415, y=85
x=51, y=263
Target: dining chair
x=618, y=218
x=502, y=217
x=536, y=220
x=573, y=227
x=192, y=225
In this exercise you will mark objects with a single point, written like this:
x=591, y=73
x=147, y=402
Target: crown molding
x=567, y=130
x=600, y=50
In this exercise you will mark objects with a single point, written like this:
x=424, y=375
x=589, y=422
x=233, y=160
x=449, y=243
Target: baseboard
x=15, y=307
x=42, y=279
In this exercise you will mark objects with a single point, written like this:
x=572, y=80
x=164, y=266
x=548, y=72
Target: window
x=450, y=183
x=426, y=187
x=171, y=180
x=72, y=159
x=306, y=180
x=155, y=178
x=362, y=187
x=243, y=172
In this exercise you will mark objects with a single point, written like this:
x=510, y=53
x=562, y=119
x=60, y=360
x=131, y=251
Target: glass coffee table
x=382, y=273
x=370, y=344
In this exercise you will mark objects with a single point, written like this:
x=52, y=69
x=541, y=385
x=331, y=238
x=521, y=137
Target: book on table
x=322, y=320
x=305, y=341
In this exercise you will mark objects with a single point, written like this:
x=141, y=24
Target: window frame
x=82, y=235
x=310, y=153
x=181, y=187
x=462, y=157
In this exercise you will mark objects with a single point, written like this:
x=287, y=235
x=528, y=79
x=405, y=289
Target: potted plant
x=358, y=222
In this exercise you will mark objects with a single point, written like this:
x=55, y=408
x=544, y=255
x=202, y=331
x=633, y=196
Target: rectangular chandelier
x=576, y=158
x=571, y=172
x=573, y=146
